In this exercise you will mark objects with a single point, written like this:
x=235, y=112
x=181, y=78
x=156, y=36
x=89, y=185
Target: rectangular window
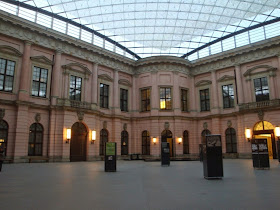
x=39, y=83
x=165, y=99
x=123, y=100
x=204, y=100
x=228, y=96
x=184, y=105
x=75, y=88
x=7, y=71
x=104, y=96
x=145, y=100
x=261, y=89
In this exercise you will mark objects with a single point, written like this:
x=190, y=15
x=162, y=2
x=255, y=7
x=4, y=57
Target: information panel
x=111, y=157
x=260, y=154
x=213, y=157
x=165, y=154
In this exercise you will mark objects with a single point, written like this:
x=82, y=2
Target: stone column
x=154, y=94
x=272, y=88
x=134, y=96
x=94, y=88
x=214, y=100
x=24, y=87
x=192, y=99
x=116, y=96
x=239, y=84
x=56, y=75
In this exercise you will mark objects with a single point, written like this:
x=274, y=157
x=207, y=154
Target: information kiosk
x=165, y=154
x=213, y=157
x=260, y=154
x=111, y=157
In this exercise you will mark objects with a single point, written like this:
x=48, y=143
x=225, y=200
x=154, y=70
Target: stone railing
x=74, y=104
x=260, y=104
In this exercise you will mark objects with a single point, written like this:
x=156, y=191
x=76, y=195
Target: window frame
x=186, y=142
x=35, y=137
x=171, y=98
x=46, y=83
x=75, y=87
x=231, y=141
x=147, y=139
x=124, y=109
x=254, y=88
x=186, y=101
x=228, y=97
x=146, y=100
x=205, y=100
x=108, y=96
x=102, y=144
x=7, y=58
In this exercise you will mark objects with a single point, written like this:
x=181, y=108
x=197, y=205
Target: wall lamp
x=93, y=137
x=180, y=140
x=277, y=132
x=154, y=140
x=248, y=134
x=68, y=135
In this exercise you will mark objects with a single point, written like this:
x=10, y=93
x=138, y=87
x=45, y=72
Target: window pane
x=9, y=83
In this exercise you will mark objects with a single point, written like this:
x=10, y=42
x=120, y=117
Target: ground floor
x=77, y=135
x=138, y=185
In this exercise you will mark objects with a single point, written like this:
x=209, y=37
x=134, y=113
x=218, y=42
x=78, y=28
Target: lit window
x=75, y=88
x=39, y=83
x=145, y=100
x=7, y=70
x=165, y=98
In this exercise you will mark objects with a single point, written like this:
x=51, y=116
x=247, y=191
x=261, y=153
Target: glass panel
x=10, y=68
x=1, y=82
x=2, y=66
x=9, y=83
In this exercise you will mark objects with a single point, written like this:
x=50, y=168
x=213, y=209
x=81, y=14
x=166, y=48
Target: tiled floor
x=138, y=185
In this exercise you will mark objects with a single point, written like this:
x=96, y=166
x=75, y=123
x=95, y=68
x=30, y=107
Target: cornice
x=202, y=83
x=10, y=50
x=266, y=67
x=42, y=59
x=77, y=67
x=161, y=67
x=226, y=78
x=125, y=82
x=162, y=59
x=105, y=77
x=19, y=28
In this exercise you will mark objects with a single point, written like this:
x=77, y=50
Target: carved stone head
x=205, y=125
x=105, y=125
x=124, y=127
x=37, y=117
x=229, y=123
x=2, y=114
x=260, y=115
x=166, y=125
x=80, y=115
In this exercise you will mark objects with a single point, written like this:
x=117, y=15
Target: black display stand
x=213, y=157
x=278, y=149
x=111, y=157
x=165, y=154
x=260, y=154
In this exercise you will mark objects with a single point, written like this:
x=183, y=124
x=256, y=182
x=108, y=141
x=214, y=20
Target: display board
x=260, y=154
x=165, y=154
x=111, y=157
x=212, y=157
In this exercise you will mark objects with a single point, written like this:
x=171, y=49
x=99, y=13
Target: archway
x=166, y=136
x=78, y=143
x=265, y=130
x=4, y=135
x=124, y=143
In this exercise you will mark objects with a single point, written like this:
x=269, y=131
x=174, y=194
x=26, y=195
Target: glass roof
x=143, y=28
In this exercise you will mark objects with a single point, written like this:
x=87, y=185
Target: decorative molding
x=203, y=82
x=105, y=77
x=41, y=59
x=10, y=50
x=80, y=115
x=162, y=60
x=260, y=115
x=229, y=124
x=166, y=125
x=268, y=69
x=77, y=67
x=226, y=78
x=37, y=117
x=156, y=67
x=105, y=125
x=205, y=125
x=124, y=126
x=125, y=82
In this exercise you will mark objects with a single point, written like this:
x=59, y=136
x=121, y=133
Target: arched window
x=145, y=143
x=4, y=135
x=203, y=134
x=124, y=142
x=35, y=144
x=103, y=140
x=231, y=144
x=186, y=146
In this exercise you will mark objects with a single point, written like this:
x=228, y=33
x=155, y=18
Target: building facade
x=51, y=82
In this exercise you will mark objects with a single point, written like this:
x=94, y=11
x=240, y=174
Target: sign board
x=110, y=148
x=165, y=154
x=110, y=157
x=260, y=154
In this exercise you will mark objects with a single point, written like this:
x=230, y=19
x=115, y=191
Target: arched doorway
x=146, y=143
x=124, y=142
x=166, y=136
x=78, y=143
x=4, y=135
x=35, y=143
x=265, y=130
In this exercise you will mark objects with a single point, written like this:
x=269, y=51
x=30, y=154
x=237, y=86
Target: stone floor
x=138, y=185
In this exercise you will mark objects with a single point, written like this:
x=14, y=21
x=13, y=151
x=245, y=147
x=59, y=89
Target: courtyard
x=138, y=185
